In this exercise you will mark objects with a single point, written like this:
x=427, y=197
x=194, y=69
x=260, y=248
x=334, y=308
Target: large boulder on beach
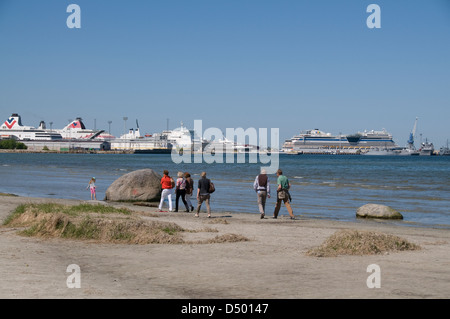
x=140, y=185
x=377, y=211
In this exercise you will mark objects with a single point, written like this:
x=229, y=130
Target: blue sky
x=287, y=64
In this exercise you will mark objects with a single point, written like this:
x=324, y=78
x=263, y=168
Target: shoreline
x=65, y=152
x=255, y=215
x=131, y=151
x=271, y=265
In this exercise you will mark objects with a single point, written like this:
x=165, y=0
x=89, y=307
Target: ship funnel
x=17, y=118
x=12, y=121
x=76, y=124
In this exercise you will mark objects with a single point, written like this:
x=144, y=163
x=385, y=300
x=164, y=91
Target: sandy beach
x=271, y=265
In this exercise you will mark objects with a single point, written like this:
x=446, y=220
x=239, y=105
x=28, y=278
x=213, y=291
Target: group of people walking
x=184, y=189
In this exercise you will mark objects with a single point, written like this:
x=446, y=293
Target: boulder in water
x=377, y=211
x=140, y=185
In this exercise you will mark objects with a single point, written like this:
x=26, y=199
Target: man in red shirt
x=167, y=184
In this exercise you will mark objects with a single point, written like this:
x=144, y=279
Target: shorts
x=92, y=190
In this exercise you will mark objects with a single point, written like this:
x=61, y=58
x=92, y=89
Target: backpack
x=212, y=189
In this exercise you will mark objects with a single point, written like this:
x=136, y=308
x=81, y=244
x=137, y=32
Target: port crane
x=412, y=135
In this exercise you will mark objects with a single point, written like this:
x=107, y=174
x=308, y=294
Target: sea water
x=323, y=186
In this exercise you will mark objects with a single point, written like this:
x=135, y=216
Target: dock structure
x=69, y=145
x=330, y=150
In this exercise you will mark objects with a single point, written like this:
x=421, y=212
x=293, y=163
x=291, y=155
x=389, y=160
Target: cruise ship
x=77, y=130
x=150, y=143
x=185, y=140
x=179, y=140
x=371, y=138
x=317, y=139
x=13, y=128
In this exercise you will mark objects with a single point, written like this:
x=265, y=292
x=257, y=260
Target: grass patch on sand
x=99, y=223
x=226, y=238
x=218, y=221
x=6, y=194
x=32, y=210
x=354, y=242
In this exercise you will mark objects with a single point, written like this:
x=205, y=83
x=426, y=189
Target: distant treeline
x=12, y=145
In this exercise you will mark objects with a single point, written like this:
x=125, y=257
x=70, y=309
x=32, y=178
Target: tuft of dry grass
x=227, y=238
x=354, y=242
x=110, y=229
x=99, y=223
x=217, y=221
x=204, y=230
x=7, y=194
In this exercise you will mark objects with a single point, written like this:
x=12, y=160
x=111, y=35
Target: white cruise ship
x=371, y=138
x=13, y=128
x=317, y=139
x=184, y=139
x=77, y=130
x=133, y=141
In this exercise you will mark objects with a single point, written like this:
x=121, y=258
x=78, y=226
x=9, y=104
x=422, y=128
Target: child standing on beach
x=91, y=185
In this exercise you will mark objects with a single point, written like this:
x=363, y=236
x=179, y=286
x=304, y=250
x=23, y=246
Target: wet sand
x=271, y=265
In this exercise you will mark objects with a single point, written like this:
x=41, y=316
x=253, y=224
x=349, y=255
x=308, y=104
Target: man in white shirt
x=262, y=188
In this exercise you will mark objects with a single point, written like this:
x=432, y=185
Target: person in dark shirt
x=189, y=189
x=203, y=194
x=180, y=191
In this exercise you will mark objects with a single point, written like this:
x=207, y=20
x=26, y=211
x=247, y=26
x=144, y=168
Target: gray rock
x=377, y=211
x=140, y=185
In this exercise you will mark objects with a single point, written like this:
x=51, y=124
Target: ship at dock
x=148, y=144
x=75, y=130
x=178, y=140
x=444, y=150
x=13, y=128
x=426, y=149
x=317, y=141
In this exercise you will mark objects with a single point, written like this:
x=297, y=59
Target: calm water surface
x=324, y=186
